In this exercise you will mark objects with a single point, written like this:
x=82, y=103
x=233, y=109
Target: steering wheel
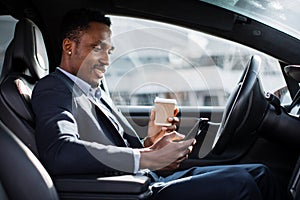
x=243, y=112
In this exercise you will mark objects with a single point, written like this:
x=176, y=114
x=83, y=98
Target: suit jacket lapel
x=129, y=132
x=111, y=132
x=103, y=116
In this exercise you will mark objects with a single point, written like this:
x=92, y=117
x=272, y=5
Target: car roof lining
x=235, y=27
x=198, y=13
x=193, y=14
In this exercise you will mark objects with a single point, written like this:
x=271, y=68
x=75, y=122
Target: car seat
x=25, y=63
x=22, y=175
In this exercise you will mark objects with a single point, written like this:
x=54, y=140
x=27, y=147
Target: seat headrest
x=27, y=48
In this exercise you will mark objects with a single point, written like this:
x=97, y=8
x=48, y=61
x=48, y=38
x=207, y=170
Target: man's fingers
x=173, y=120
x=176, y=111
x=175, y=136
x=152, y=114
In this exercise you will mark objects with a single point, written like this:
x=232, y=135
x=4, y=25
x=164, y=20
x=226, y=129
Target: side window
x=7, y=27
x=155, y=59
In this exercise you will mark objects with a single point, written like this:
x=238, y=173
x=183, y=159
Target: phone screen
x=196, y=129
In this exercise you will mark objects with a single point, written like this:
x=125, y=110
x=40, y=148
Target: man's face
x=91, y=55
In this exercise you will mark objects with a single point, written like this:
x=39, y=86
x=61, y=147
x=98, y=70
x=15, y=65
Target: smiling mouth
x=100, y=70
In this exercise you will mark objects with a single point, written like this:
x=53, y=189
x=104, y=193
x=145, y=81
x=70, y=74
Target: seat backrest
x=25, y=62
x=22, y=176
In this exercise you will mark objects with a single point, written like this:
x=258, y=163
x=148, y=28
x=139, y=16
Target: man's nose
x=104, y=59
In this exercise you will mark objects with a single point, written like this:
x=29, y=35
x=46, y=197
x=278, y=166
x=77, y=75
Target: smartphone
x=196, y=129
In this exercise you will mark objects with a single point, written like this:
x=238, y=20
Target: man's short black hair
x=77, y=20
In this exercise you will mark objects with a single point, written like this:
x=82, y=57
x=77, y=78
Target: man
x=79, y=130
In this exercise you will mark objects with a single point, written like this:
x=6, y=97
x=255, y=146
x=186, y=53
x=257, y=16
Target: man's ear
x=67, y=46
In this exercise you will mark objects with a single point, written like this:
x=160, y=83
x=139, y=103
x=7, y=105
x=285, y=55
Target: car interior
x=27, y=55
x=27, y=60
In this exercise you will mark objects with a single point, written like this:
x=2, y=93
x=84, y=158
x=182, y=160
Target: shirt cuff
x=137, y=157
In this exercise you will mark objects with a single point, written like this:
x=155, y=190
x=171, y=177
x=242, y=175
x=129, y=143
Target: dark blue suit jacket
x=74, y=136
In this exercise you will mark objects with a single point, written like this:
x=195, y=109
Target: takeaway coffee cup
x=164, y=109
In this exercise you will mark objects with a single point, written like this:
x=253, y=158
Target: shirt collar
x=84, y=86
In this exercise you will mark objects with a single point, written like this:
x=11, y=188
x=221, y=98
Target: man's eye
x=97, y=49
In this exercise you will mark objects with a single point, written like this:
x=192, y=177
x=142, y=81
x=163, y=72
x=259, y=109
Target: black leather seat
x=22, y=175
x=24, y=64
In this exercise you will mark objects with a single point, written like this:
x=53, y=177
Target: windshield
x=281, y=14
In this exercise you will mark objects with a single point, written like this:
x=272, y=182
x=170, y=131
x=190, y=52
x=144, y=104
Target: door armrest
x=127, y=184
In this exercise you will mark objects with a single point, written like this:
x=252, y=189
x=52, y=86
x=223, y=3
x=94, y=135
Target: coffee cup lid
x=163, y=100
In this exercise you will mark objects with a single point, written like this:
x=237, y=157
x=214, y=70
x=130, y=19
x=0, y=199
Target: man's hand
x=165, y=153
x=155, y=132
